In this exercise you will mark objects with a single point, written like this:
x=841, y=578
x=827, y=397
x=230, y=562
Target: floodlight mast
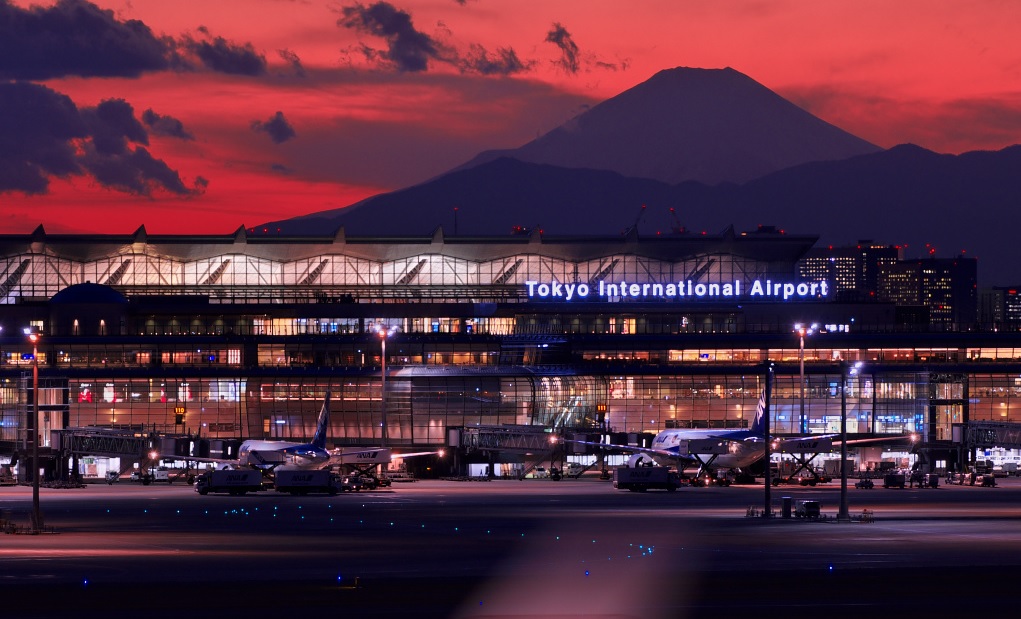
x=845, y=370
x=803, y=331
x=383, y=332
x=33, y=428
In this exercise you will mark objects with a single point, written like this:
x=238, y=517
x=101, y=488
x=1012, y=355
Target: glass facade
x=234, y=338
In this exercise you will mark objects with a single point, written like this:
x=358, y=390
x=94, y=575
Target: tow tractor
x=864, y=483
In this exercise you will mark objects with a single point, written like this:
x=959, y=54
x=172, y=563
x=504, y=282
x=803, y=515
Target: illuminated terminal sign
x=682, y=290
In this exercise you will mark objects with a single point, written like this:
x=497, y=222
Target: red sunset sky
x=247, y=111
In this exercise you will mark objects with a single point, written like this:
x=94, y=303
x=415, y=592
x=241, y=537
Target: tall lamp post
x=767, y=397
x=842, y=513
x=33, y=428
x=803, y=331
x=384, y=332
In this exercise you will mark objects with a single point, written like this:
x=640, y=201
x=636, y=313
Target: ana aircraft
x=732, y=450
x=263, y=454
x=266, y=455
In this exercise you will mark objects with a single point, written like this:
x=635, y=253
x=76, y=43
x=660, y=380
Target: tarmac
x=534, y=548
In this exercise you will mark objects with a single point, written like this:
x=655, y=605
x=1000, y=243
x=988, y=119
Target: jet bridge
x=73, y=443
x=985, y=434
x=532, y=444
x=101, y=442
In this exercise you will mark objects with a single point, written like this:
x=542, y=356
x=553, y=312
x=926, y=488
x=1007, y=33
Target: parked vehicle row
x=292, y=481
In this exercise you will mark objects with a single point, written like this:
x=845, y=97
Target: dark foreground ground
x=512, y=549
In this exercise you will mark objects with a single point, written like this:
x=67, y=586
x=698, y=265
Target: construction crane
x=634, y=227
x=677, y=227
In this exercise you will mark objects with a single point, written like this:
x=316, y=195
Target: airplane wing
x=661, y=453
x=818, y=443
x=415, y=454
x=894, y=438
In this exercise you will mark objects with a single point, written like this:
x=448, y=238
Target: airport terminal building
x=240, y=336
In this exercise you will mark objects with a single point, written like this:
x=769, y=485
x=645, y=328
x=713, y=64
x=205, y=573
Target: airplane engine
x=640, y=459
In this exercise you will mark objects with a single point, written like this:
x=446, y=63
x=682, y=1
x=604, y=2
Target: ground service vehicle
x=350, y=483
x=231, y=481
x=807, y=509
x=894, y=480
x=642, y=478
x=151, y=476
x=368, y=482
x=305, y=481
x=573, y=469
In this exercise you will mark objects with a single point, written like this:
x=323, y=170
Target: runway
x=532, y=548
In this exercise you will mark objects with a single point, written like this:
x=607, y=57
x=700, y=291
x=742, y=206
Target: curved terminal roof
x=89, y=293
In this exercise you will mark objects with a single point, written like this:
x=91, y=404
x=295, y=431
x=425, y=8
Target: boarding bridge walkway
x=104, y=442
x=985, y=434
x=506, y=438
x=535, y=444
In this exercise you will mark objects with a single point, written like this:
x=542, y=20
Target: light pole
x=842, y=513
x=803, y=331
x=767, y=396
x=384, y=332
x=33, y=428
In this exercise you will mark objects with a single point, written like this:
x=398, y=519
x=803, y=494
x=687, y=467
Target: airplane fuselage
x=744, y=447
x=262, y=454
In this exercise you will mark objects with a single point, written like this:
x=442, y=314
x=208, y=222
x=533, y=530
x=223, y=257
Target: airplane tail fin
x=319, y=439
x=759, y=422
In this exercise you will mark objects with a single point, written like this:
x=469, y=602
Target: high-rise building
x=853, y=270
x=1000, y=308
x=946, y=287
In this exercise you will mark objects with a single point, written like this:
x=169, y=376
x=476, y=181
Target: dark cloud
x=74, y=37
x=165, y=125
x=292, y=59
x=133, y=171
x=572, y=59
x=77, y=38
x=43, y=135
x=37, y=127
x=411, y=51
x=504, y=62
x=277, y=128
x=112, y=125
x=560, y=37
x=223, y=56
x=408, y=49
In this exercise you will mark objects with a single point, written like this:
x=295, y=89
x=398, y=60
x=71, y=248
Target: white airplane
x=708, y=449
x=734, y=450
x=266, y=455
x=263, y=454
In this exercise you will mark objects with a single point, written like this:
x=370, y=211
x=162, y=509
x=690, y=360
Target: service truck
x=642, y=478
x=231, y=481
x=306, y=481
